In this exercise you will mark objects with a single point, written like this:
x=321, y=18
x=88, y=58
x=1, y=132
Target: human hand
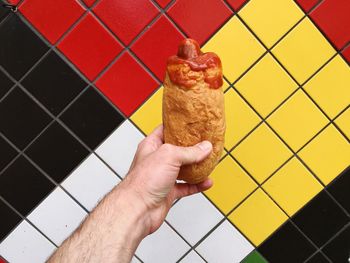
x=153, y=172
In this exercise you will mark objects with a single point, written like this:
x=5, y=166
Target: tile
x=318, y=258
x=89, y=3
x=4, y=12
x=9, y=219
x=192, y=257
x=266, y=85
x=187, y=215
x=21, y=118
x=149, y=115
x=91, y=124
x=53, y=83
x=5, y=84
x=343, y=122
x=332, y=17
x=298, y=111
x=339, y=189
x=199, y=21
x=33, y=246
x=116, y=84
x=22, y=48
x=90, y=182
x=57, y=216
x=292, y=186
x=231, y=185
x=235, y=36
x=48, y=21
x=240, y=118
x=257, y=217
x=286, y=245
x=163, y=3
x=346, y=53
x=261, y=153
x=158, y=43
x=303, y=51
x=57, y=152
x=335, y=74
x=224, y=244
x=164, y=245
x=254, y=257
x=23, y=186
x=338, y=249
x=236, y=4
x=14, y=2
x=307, y=5
x=119, y=148
x=90, y=47
x=126, y=18
x=327, y=155
x=2, y=260
x=7, y=153
x=270, y=19
x=321, y=218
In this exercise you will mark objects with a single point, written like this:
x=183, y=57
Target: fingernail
x=205, y=145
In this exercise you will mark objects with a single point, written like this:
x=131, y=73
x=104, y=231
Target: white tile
x=57, y=216
x=225, y=244
x=25, y=244
x=164, y=245
x=90, y=182
x=192, y=257
x=119, y=148
x=193, y=217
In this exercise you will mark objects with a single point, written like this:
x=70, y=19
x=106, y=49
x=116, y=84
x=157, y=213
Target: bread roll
x=193, y=106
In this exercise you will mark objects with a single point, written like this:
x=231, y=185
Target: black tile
x=287, y=244
x=22, y=47
x=9, y=219
x=92, y=118
x=7, y=153
x=57, y=152
x=318, y=258
x=338, y=250
x=340, y=189
x=21, y=118
x=3, y=11
x=54, y=83
x=5, y=84
x=321, y=218
x=24, y=186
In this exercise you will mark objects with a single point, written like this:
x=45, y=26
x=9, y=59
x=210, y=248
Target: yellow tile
x=258, y=217
x=303, y=50
x=240, y=118
x=149, y=115
x=236, y=46
x=261, y=153
x=271, y=19
x=266, y=85
x=231, y=185
x=292, y=186
x=297, y=120
x=327, y=155
x=343, y=122
x=330, y=87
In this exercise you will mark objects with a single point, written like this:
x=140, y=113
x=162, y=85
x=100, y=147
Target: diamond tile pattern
x=81, y=84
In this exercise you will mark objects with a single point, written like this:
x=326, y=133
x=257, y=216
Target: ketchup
x=189, y=53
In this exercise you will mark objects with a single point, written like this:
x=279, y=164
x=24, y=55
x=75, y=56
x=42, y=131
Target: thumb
x=188, y=155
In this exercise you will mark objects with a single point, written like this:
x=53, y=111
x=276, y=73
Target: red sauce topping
x=189, y=53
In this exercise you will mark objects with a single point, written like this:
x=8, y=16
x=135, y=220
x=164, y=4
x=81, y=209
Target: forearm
x=111, y=233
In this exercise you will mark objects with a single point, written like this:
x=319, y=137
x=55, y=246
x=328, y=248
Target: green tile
x=254, y=257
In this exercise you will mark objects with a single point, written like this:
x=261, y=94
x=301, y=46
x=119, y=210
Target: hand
x=153, y=172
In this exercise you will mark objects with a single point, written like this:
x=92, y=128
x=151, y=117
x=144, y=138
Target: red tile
x=127, y=84
x=2, y=260
x=90, y=47
x=157, y=44
x=333, y=17
x=236, y=4
x=89, y=3
x=126, y=18
x=47, y=20
x=346, y=54
x=163, y=3
x=199, y=21
x=14, y=2
x=306, y=5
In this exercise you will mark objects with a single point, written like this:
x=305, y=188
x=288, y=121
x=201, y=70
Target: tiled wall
x=80, y=86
